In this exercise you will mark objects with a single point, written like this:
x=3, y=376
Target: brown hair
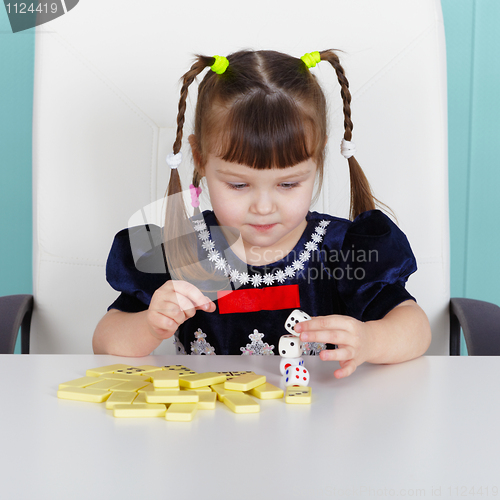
x=267, y=110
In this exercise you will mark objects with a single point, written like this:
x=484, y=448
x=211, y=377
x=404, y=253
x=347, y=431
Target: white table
x=416, y=429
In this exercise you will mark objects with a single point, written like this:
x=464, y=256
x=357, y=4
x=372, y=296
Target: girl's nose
x=263, y=203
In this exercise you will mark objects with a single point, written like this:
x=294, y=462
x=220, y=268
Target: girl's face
x=267, y=207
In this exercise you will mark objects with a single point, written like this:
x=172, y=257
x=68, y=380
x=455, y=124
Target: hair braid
x=362, y=198
x=181, y=252
x=199, y=65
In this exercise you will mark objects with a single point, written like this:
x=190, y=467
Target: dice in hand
x=295, y=317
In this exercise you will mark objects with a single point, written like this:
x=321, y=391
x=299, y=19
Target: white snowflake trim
x=257, y=346
x=257, y=279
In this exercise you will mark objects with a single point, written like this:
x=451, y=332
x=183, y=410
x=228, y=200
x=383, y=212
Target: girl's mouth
x=264, y=228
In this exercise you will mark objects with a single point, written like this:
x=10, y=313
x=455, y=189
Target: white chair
x=106, y=94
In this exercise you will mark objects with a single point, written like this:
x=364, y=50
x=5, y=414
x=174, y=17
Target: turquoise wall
x=16, y=104
x=472, y=38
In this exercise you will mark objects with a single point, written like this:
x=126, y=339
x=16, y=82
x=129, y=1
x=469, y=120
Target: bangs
x=265, y=131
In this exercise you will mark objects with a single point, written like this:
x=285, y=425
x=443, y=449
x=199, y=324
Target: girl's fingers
x=164, y=326
x=197, y=300
x=172, y=304
x=346, y=369
x=184, y=295
x=326, y=337
x=342, y=353
x=324, y=323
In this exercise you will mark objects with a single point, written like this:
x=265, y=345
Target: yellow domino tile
x=165, y=379
x=266, y=391
x=241, y=403
x=198, y=389
x=120, y=398
x=107, y=384
x=245, y=382
x=149, y=387
x=221, y=392
x=181, y=412
x=207, y=400
x=131, y=386
x=298, y=395
x=83, y=394
x=131, y=370
x=80, y=382
x=219, y=389
x=97, y=372
x=139, y=410
x=179, y=368
x=171, y=396
x=150, y=368
x=140, y=370
x=231, y=375
x=201, y=379
x=140, y=399
x=125, y=377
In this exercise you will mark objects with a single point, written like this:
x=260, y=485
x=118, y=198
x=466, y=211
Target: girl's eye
x=236, y=186
x=289, y=185
x=240, y=186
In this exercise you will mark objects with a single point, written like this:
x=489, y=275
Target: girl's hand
x=348, y=333
x=172, y=304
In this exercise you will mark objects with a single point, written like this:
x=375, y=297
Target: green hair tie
x=220, y=65
x=311, y=59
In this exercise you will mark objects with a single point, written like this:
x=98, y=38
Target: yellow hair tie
x=220, y=65
x=311, y=59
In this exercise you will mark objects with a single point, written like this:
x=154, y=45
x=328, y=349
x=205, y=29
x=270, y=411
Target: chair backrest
x=106, y=95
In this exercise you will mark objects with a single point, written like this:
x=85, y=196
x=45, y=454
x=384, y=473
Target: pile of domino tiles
x=174, y=392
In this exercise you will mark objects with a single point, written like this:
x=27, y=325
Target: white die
x=296, y=375
x=295, y=317
x=290, y=346
x=287, y=362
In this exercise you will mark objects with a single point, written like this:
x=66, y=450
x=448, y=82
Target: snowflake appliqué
x=179, y=346
x=200, y=345
x=257, y=279
x=312, y=348
x=257, y=347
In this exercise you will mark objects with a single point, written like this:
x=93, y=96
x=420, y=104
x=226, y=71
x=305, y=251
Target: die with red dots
x=296, y=375
x=287, y=362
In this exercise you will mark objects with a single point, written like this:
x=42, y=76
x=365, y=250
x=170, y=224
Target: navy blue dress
x=356, y=268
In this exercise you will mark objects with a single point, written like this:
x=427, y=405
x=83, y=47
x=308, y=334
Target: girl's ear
x=193, y=142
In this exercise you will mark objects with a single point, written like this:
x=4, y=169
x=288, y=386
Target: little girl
x=225, y=281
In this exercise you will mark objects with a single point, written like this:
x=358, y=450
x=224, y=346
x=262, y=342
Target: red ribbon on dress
x=270, y=298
